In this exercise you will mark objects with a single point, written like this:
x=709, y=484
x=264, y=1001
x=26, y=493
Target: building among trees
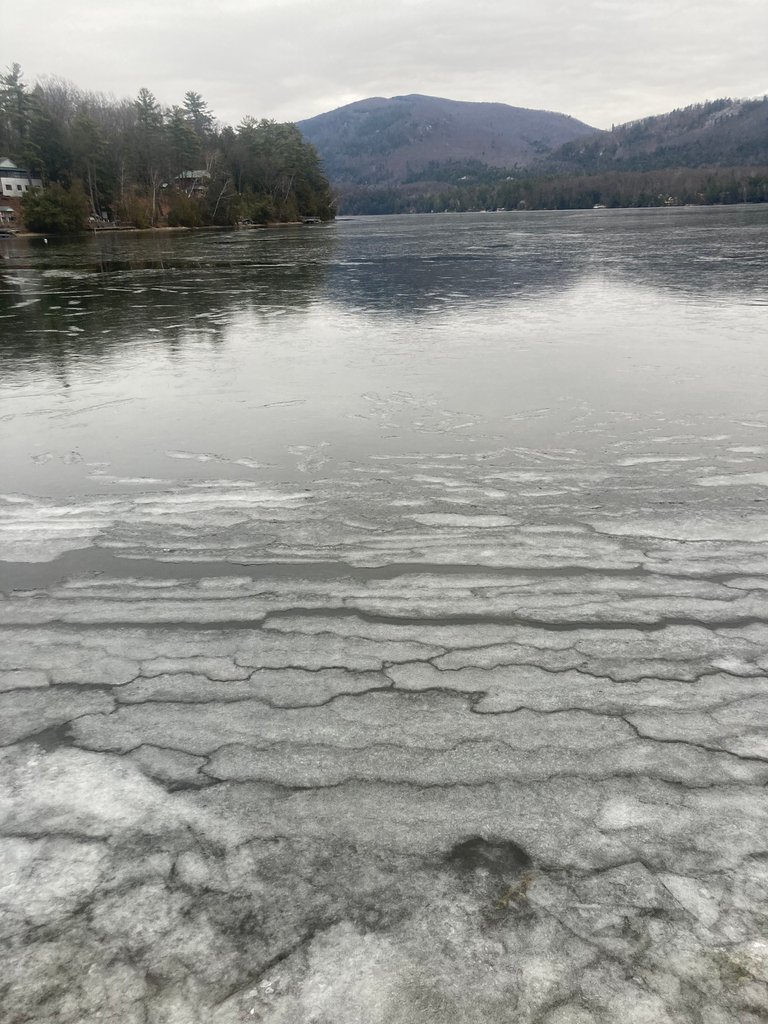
x=15, y=181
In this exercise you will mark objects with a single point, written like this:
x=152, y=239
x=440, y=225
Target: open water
x=277, y=354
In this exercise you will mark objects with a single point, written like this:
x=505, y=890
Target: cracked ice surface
x=517, y=774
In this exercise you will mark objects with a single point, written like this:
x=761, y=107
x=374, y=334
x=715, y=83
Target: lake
x=384, y=627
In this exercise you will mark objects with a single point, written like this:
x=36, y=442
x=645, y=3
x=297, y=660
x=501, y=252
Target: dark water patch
x=490, y=858
x=53, y=738
x=98, y=561
x=530, y=622
x=418, y=621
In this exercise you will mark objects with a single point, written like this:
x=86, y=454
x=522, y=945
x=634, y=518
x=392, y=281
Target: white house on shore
x=15, y=181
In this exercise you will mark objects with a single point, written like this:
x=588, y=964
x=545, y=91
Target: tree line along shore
x=698, y=186
x=105, y=161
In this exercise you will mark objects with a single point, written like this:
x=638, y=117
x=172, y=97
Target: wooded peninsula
x=134, y=162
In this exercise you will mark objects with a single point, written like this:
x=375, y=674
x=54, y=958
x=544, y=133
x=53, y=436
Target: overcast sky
x=602, y=61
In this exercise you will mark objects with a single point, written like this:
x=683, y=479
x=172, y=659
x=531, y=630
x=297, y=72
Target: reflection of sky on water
x=373, y=336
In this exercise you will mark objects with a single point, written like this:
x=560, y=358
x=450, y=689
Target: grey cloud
x=602, y=60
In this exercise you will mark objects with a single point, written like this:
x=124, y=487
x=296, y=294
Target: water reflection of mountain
x=411, y=285
x=419, y=264
x=64, y=300
x=69, y=299
x=708, y=253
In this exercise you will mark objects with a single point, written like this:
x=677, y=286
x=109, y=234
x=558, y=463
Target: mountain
x=388, y=141
x=719, y=133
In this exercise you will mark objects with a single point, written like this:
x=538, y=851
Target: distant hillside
x=720, y=133
x=386, y=141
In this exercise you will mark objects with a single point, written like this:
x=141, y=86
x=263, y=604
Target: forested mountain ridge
x=139, y=162
x=713, y=152
x=385, y=141
x=718, y=133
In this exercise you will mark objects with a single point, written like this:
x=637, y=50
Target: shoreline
x=166, y=228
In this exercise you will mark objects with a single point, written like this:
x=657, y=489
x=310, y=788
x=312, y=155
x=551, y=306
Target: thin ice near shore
x=477, y=768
